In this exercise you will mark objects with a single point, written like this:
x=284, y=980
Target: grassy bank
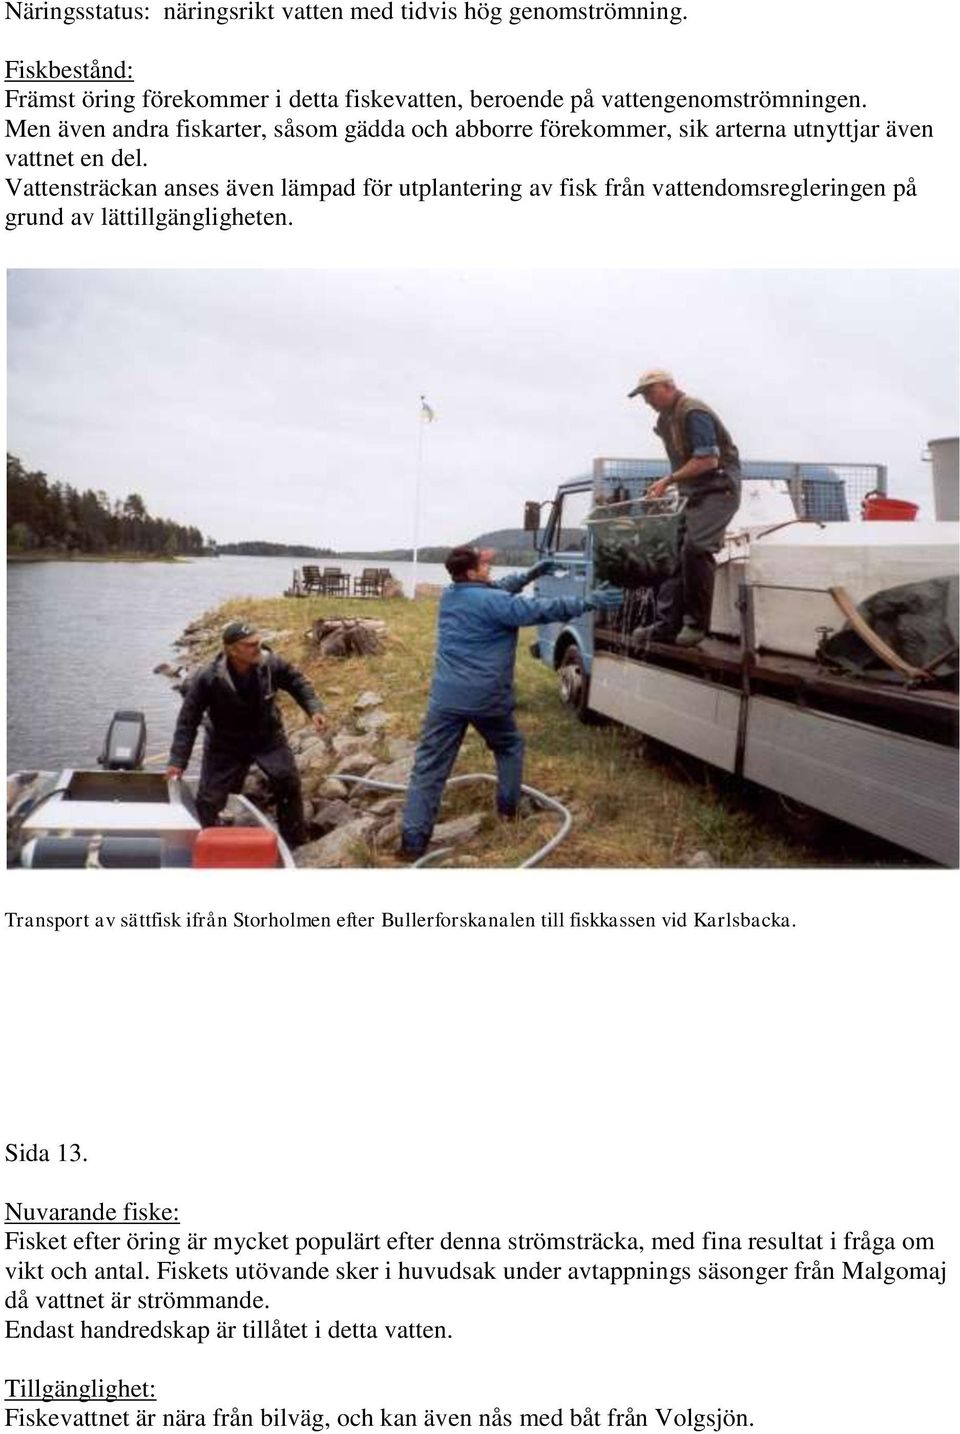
x=633, y=804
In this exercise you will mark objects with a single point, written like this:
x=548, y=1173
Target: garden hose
x=540, y=798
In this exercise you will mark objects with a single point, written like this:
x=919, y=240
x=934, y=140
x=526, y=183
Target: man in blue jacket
x=473, y=683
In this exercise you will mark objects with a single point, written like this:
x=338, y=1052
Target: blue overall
x=473, y=686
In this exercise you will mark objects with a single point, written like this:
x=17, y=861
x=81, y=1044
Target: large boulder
x=314, y=760
x=196, y=635
x=357, y=764
x=397, y=748
x=339, y=847
x=452, y=833
x=385, y=806
x=398, y=771
x=314, y=781
x=304, y=739
x=388, y=835
x=330, y=789
x=373, y=721
x=327, y=816
x=344, y=743
x=457, y=830
x=699, y=859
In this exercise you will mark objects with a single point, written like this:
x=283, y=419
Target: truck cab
x=567, y=538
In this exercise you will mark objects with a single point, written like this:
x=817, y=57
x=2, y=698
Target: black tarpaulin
x=918, y=620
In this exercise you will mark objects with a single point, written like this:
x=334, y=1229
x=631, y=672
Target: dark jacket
x=477, y=642
x=671, y=428
x=231, y=721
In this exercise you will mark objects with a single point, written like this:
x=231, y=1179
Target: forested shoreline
x=258, y=548
x=48, y=517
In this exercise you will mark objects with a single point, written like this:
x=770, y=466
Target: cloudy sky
x=284, y=404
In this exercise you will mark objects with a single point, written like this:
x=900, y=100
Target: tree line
x=43, y=513
x=260, y=549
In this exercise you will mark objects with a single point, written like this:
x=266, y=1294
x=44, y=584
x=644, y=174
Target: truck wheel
x=803, y=823
x=574, y=683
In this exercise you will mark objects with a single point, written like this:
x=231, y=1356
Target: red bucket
x=877, y=507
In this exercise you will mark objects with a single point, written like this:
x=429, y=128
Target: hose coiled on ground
x=540, y=798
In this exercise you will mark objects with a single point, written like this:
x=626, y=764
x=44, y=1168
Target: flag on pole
x=426, y=412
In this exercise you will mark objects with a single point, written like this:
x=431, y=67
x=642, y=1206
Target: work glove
x=539, y=570
x=604, y=598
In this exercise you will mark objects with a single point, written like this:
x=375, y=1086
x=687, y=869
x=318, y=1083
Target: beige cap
x=646, y=380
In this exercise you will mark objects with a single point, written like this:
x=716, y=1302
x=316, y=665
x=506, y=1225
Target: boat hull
x=95, y=818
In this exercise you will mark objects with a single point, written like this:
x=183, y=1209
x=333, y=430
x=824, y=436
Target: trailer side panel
x=687, y=712
x=895, y=786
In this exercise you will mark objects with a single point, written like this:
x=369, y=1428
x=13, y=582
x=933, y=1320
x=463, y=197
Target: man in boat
x=235, y=697
x=705, y=470
x=472, y=683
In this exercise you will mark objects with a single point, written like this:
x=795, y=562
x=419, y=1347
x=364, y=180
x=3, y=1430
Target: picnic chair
x=367, y=584
x=335, y=583
x=312, y=581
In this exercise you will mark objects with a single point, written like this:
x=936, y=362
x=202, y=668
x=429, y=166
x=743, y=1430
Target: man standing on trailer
x=235, y=696
x=472, y=683
x=705, y=468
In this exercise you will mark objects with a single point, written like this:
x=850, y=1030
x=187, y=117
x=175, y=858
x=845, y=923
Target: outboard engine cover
x=125, y=744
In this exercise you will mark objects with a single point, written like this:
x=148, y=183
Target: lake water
x=83, y=639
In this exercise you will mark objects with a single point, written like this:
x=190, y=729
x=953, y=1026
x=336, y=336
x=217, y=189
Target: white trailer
x=885, y=762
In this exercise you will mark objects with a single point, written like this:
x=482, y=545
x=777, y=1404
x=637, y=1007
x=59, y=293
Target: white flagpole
x=416, y=506
x=425, y=416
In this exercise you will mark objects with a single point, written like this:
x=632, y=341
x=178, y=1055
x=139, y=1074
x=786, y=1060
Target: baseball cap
x=646, y=380
x=237, y=630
